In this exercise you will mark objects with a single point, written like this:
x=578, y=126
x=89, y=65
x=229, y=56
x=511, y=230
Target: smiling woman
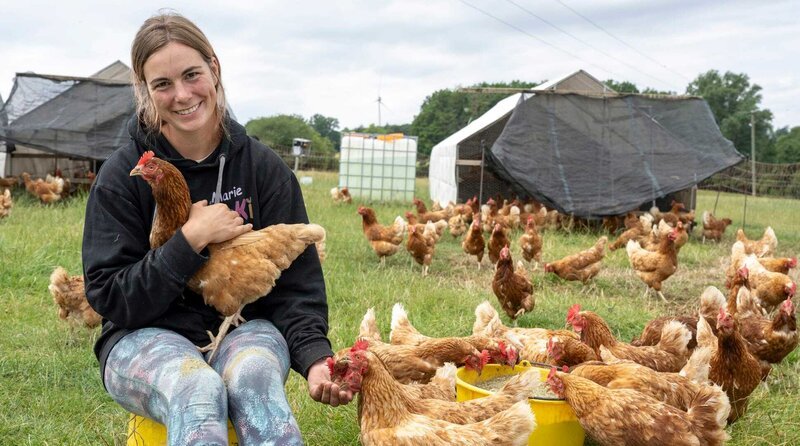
x=138, y=266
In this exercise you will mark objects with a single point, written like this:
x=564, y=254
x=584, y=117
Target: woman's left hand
x=322, y=389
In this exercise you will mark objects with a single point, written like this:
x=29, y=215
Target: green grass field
x=52, y=394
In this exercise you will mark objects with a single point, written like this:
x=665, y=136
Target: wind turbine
x=380, y=103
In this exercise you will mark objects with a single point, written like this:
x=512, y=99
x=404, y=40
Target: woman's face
x=182, y=87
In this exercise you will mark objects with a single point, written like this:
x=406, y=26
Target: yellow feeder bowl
x=146, y=432
x=556, y=423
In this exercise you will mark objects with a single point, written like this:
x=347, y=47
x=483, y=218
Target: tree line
x=733, y=100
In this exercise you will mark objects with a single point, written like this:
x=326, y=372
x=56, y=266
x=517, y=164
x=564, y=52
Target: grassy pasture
x=52, y=393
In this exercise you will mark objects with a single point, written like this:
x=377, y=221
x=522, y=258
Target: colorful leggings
x=159, y=374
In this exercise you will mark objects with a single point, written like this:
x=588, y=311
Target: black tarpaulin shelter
x=70, y=116
x=599, y=156
x=49, y=119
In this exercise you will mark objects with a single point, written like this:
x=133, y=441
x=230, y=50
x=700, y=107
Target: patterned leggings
x=159, y=374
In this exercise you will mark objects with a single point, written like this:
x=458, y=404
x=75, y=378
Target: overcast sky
x=336, y=57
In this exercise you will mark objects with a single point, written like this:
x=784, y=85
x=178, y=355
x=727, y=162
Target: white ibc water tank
x=378, y=167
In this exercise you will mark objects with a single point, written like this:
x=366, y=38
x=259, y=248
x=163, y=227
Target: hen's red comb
x=573, y=312
x=146, y=156
x=552, y=373
x=484, y=358
x=744, y=272
x=565, y=368
x=792, y=262
x=360, y=345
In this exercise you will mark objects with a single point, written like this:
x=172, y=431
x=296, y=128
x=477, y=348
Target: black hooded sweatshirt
x=133, y=286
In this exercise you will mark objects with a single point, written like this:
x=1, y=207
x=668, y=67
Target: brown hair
x=154, y=34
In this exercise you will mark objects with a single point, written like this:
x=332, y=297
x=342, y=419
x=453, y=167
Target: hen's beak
x=136, y=171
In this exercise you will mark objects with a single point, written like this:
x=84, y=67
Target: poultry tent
x=66, y=117
x=599, y=155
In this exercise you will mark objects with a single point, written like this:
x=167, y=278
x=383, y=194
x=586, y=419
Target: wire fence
x=330, y=161
x=776, y=180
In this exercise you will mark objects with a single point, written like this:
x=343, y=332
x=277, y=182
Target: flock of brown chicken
x=680, y=383
x=50, y=189
x=67, y=291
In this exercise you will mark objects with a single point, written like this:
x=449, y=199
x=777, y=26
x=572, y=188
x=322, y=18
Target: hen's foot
x=237, y=318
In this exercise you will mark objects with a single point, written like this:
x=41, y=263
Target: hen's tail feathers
x=369, y=328
x=747, y=304
x=284, y=240
x=709, y=414
x=399, y=316
x=705, y=336
x=601, y=245
x=58, y=279
x=402, y=330
x=484, y=313
x=522, y=385
x=737, y=251
x=674, y=338
x=442, y=386
x=707, y=216
x=512, y=426
x=632, y=247
x=698, y=366
x=711, y=301
x=445, y=376
x=400, y=226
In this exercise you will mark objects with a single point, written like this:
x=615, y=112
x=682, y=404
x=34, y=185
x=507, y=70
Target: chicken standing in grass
x=421, y=245
x=654, y=267
x=5, y=203
x=239, y=271
x=512, y=287
x=530, y=242
x=581, y=266
x=384, y=240
x=69, y=295
x=341, y=195
x=473, y=243
x=763, y=247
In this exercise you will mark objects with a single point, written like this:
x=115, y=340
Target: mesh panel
x=73, y=117
x=594, y=157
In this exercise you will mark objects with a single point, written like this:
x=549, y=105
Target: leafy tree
x=327, y=127
x=787, y=146
x=622, y=87
x=446, y=111
x=630, y=87
x=732, y=100
x=279, y=130
x=382, y=130
x=650, y=90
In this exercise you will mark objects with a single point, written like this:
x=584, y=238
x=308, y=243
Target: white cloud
x=333, y=57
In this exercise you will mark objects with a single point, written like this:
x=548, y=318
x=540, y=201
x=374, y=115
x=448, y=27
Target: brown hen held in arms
x=238, y=271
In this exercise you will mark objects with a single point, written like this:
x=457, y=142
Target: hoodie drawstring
x=218, y=194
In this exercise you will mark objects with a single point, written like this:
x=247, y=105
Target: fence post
x=753, y=150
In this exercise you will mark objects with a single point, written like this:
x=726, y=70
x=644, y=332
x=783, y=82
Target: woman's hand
x=216, y=223
x=322, y=389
